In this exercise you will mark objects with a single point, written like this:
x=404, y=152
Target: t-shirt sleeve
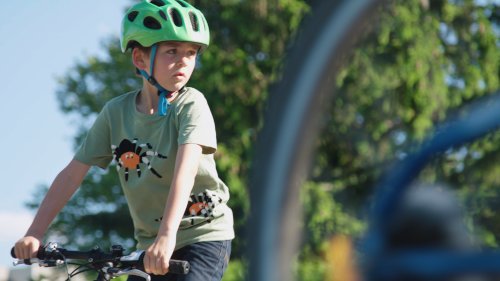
x=95, y=149
x=196, y=124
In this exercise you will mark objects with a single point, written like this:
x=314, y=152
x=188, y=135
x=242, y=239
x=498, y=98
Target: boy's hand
x=158, y=255
x=27, y=247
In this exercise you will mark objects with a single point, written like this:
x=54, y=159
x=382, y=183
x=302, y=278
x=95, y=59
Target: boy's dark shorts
x=208, y=262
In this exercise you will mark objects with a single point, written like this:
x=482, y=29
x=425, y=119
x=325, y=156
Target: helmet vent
x=182, y=3
x=204, y=24
x=132, y=15
x=158, y=3
x=176, y=17
x=162, y=15
x=194, y=21
x=151, y=23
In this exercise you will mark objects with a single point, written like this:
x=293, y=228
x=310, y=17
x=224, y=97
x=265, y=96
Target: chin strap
x=163, y=93
x=163, y=103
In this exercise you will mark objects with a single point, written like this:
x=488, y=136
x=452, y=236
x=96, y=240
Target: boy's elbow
x=74, y=172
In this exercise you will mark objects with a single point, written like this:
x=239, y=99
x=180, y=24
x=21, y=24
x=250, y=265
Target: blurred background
x=416, y=64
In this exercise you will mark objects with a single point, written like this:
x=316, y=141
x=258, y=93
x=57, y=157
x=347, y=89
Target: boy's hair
x=134, y=44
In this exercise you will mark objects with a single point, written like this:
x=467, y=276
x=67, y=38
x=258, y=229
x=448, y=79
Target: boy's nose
x=183, y=59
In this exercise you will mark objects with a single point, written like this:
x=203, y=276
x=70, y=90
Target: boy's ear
x=139, y=58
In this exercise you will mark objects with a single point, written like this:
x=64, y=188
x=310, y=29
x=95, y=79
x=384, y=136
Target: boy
x=161, y=139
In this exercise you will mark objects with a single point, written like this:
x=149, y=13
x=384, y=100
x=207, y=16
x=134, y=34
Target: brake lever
x=41, y=263
x=25, y=261
x=115, y=272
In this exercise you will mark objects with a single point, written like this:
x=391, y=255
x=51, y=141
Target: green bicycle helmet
x=153, y=21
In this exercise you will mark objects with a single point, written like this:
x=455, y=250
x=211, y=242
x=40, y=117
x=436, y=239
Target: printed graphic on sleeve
x=200, y=208
x=129, y=155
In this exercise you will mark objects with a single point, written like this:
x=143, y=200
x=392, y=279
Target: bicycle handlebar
x=111, y=264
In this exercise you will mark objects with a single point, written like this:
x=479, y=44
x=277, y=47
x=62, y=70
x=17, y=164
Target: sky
x=40, y=40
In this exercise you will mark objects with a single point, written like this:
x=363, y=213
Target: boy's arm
x=63, y=187
x=186, y=166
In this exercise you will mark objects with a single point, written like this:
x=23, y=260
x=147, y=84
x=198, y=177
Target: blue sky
x=40, y=41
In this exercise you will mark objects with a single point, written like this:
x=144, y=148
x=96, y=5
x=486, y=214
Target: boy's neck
x=147, y=101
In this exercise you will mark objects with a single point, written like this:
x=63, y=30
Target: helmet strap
x=163, y=93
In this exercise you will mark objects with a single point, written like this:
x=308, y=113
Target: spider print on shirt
x=200, y=206
x=128, y=156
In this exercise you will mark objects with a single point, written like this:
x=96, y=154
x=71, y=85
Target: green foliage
x=311, y=269
x=235, y=271
x=325, y=216
x=397, y=84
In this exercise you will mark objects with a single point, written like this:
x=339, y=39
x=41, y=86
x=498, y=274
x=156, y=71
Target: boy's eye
x=171, y=51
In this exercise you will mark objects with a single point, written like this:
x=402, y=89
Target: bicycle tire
x=284, y=146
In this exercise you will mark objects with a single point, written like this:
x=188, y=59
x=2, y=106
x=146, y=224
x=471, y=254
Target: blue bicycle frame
x=479, y=119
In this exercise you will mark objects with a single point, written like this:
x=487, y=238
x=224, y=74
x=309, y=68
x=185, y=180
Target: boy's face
x=174, y=64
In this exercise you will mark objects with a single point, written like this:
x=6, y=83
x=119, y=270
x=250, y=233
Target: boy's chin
x=178, y=87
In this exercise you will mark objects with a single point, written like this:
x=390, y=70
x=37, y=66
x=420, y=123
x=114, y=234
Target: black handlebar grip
x=178, y=267
x=174, y=266
x=25, y=261
x=39, y=254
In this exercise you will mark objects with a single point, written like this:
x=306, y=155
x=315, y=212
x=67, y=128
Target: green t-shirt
x=143, y=147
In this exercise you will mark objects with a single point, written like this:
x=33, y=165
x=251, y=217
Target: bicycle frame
x=481, y=118
x=285, y=145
